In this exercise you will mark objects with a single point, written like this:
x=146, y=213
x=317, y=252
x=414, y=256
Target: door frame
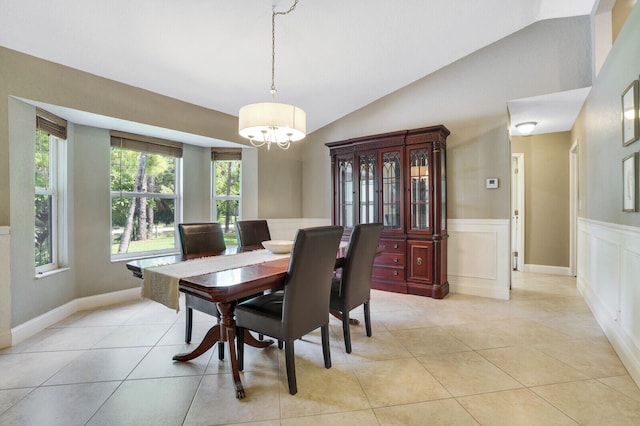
x=517, y=203
x=574, y=207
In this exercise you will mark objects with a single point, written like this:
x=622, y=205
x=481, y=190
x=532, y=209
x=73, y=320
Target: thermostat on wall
x=492, y=183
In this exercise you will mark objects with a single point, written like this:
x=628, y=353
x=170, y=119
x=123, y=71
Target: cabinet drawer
x=395, y=274
x=391, y=259
x=393, y=246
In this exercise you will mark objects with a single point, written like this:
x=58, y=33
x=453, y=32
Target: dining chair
x=200, y=238
x=303, y=306
x=352, y=287
x=252, y=232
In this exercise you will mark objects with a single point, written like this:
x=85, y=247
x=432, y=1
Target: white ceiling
x=332, y=56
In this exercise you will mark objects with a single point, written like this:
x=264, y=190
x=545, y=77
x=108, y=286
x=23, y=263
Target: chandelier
x=269, y=123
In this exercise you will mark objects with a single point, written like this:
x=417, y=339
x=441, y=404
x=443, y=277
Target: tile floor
x=538, y=359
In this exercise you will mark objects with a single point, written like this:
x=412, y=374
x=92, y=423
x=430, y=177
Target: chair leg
x=240, y=354
x=346, y=332
x=221, y=346
x=188, y=325
x=279, y=344
x=326, y=350
x=291, y=366
x=367, y=318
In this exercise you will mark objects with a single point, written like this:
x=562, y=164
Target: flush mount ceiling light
x=526, y=127
x=270, y=122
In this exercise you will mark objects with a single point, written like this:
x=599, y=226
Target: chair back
x=252, y=232
x=355, y=285
x=307, y=286
x=196, y=238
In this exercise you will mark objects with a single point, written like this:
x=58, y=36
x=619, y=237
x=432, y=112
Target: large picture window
x=145, y=195
x=227, y=165
x=51, y=132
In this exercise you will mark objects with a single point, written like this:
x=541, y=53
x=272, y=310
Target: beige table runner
x=161, y=282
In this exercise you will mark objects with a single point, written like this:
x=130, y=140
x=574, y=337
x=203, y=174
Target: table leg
x=228, y=322
x=210, y=339
x=252, y=341
x=337, y=314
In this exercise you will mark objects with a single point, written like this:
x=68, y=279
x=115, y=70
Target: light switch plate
x=492, y=183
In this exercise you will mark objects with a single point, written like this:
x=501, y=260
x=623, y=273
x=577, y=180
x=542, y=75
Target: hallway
x=539, y=358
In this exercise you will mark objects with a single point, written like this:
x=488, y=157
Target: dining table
x=224, y=288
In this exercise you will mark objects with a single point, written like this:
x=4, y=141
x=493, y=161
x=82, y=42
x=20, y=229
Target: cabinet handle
x=395, y=260
x=395, y=246
x=395, y=273
x=419, y=261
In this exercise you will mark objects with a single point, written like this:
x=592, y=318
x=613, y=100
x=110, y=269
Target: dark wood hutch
x=399, y=179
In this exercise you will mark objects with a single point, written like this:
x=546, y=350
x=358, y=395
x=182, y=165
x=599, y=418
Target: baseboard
x=30, y=328
x=100, y=300
x=477, y=287
x=547, y=269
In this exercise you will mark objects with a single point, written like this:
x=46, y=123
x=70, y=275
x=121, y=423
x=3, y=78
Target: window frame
x=225, y=157
x=177, y=196
x=55, y=129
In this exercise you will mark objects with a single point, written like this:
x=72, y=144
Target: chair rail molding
x=608, y=271
x=478, y=257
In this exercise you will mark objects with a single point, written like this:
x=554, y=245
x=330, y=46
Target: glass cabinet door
x=420, y=188
x=391, y=190
x=367, y=195
x=344, y=188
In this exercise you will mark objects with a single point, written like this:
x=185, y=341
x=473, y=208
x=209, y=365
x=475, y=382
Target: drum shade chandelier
x=269, y=123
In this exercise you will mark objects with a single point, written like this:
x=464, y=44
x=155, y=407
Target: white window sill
x=46, y=274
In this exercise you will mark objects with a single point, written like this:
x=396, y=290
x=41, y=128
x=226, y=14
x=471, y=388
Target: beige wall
x=469, y=97
x=599, y=132
x=546, y=166
x=278, y=182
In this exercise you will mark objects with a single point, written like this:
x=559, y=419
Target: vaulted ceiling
x=332, y=56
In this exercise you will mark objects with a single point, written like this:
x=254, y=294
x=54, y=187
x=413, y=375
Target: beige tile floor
x=538, y=359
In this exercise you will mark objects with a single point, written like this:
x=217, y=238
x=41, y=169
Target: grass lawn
x=165, y=242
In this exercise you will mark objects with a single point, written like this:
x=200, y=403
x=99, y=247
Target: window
x=145, y=195
x=49, y=235
x=227, y=164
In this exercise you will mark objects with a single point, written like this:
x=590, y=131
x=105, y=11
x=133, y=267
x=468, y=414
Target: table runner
x=161, y=282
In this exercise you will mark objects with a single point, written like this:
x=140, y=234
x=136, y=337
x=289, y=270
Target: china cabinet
x=399, y=179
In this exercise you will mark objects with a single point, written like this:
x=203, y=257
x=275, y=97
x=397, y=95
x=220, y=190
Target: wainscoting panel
x=478, y=257
x=608, y=271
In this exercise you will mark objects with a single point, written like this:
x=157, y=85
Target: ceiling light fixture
x=271, y=122
x=526, y=127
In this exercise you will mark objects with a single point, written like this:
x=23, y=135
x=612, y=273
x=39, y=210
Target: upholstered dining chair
x=252, y=232
x=303, y=306
x=200, y=238
x=352, y=287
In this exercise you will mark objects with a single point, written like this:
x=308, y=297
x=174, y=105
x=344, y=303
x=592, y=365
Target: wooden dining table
x=224, y=288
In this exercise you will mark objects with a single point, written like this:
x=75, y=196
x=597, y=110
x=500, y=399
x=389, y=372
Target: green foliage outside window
x=142, y=219
x=43, y=200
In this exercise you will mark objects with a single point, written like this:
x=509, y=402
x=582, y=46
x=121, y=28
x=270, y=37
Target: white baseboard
x=23, y=331
x=478, y=287
x=547, y=269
